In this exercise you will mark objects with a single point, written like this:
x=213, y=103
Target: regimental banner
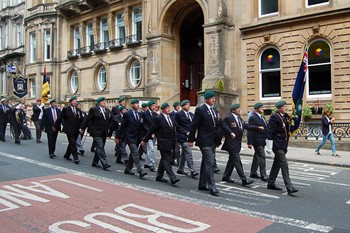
x=20, y=86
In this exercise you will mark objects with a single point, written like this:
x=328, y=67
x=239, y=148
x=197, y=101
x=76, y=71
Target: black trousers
x=100, y=154
x=234, y=161
x=3, y=124
x=259, y=160
x=72, y=146
x=280, y=162
x=51, y=141
x=17, y=131
x=165, y=165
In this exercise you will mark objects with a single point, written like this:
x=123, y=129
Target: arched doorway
x=191, y=55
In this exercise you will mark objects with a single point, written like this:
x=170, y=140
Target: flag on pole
x=297, y=95
x=45, y=89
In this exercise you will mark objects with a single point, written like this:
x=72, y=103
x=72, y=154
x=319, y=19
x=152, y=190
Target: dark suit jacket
x=4, y=115
x=97, y=123
x=71, y=123
x=208, y=134
x=278, y=131
x=183, y=126
x=130, y=128
x=325, y=125
x=173, y=113
x=164, y=133
x=47, y=122
x=36, y=112
x=234, y=145
x=257, y=138
x=147, y=120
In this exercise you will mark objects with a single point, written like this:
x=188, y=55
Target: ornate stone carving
x=316, y=29
x=215, y=56
x=266, y=37
x=167, y=22
x=222, y=11
x=154, y=64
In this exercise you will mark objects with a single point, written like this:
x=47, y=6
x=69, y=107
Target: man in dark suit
x=131, y=130
x=257, y=139
x=47, y=124
x=233, y=146
x=144, y=109
x=164, y=128
x=177, y=147
x=207, y=122
x=120, y=150
x=15, y=121
x=98, y=120
x=4, y=118
x=71, y=117
x=278, y=131
x=115, y=110
x=184, y=119
x=114, y=125
x=148, y=121
x=38, y=111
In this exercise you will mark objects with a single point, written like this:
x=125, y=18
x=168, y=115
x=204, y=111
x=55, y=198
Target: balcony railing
x=314, y=130
x=116, y=43
x=133, y=39
x=85, y=51
x=42, y=9
x=73, y=53
x=101, y=47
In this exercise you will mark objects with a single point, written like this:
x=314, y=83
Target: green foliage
x=273, y=110
x=329, y=106
x=220, y=86
x=307, y=112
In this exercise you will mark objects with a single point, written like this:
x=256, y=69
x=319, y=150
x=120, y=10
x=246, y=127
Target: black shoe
x=273, y=187
x=129, y=172
x=54, y=155
x=173, y=163
x=18, y=142
x=214, y=192
x=96, y=165
x=126, y=162
x=255, y=176
x=202, y=188
x=142, y=174
x=82, y=152
x=182, y=172
x=119, y=161
x=67, y=158
x=265, y=179
x=92, y=149
x=38, y=141
x=216, y=170
x=175, y=181
x=152, y=169
x=292, y=190
x=51, y=156
x=146, y=166
x=228, y=180
x=76, y=161
x=141, y=159
x=161, y=179
x=194, y=174
x=106, y=167
x=247, y=182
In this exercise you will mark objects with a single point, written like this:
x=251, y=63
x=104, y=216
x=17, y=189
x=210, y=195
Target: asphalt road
x=322, y=204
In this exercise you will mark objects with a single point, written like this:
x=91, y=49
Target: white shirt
x=41, y=111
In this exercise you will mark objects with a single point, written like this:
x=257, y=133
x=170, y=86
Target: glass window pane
x=135, y=73
x=319, y=52
x=268, y=6
x=270, y=59
x=102, y=78
x=74, y=82
x=271, y=84
x=320, y=81
x=315, y=2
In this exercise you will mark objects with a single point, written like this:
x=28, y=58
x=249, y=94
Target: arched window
x=102, y=78
x=135, y=73
x=270, y=74
x=74, y=82
x=319, y=72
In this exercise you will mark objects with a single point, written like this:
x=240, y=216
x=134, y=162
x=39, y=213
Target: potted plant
x=307, y=113
x=328, y=106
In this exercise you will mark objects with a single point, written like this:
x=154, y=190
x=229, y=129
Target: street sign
x=11, y=69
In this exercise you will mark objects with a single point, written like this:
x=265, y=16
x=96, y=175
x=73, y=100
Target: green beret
x=280, y=103
x=121, y=99
x=52, y=100
x=99, y=99
x=144, y=105
x=164, y=105
x=234, y=106
x=176, y=103
x=209, y=94
x=121, y=108
x=184, y=102
x=258, y=105
x=151, y=102
x=134, y=101
x=72, y=98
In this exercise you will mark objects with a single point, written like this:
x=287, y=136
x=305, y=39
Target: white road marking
x=348, y=202
x=271, y=217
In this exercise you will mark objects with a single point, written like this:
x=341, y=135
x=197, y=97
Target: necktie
x=239, y=122
x=75, y=113
x=54, y=115
x=263, y=119
x=169, y=122
x=104, y=113
x=136, y=115
x=213, y=116
x=188, y=116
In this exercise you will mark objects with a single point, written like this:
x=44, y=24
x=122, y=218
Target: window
x=319, y=72
x=120, y=28
x=310, y=3
x=270, y=74
x=104, y=30
x=89, y=35
x=102, y=79
x=135, y=73
x=74, y=82
x=32, y=88
x=268, y=7
x=32, y=42
x=4, y=4
x=76, y=35
x=47, y=44
x=137, y=23
x=19, y=35
x=6, y=36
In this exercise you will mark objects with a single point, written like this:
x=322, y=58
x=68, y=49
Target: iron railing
x=116, y=43
x=133, y=39
x=85, y=50
x=314, y=130
x=73, y=53
x=101, y=47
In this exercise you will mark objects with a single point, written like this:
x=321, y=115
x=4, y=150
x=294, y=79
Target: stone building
x=11, y=42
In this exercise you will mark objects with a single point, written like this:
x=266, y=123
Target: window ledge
x=100, y=92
